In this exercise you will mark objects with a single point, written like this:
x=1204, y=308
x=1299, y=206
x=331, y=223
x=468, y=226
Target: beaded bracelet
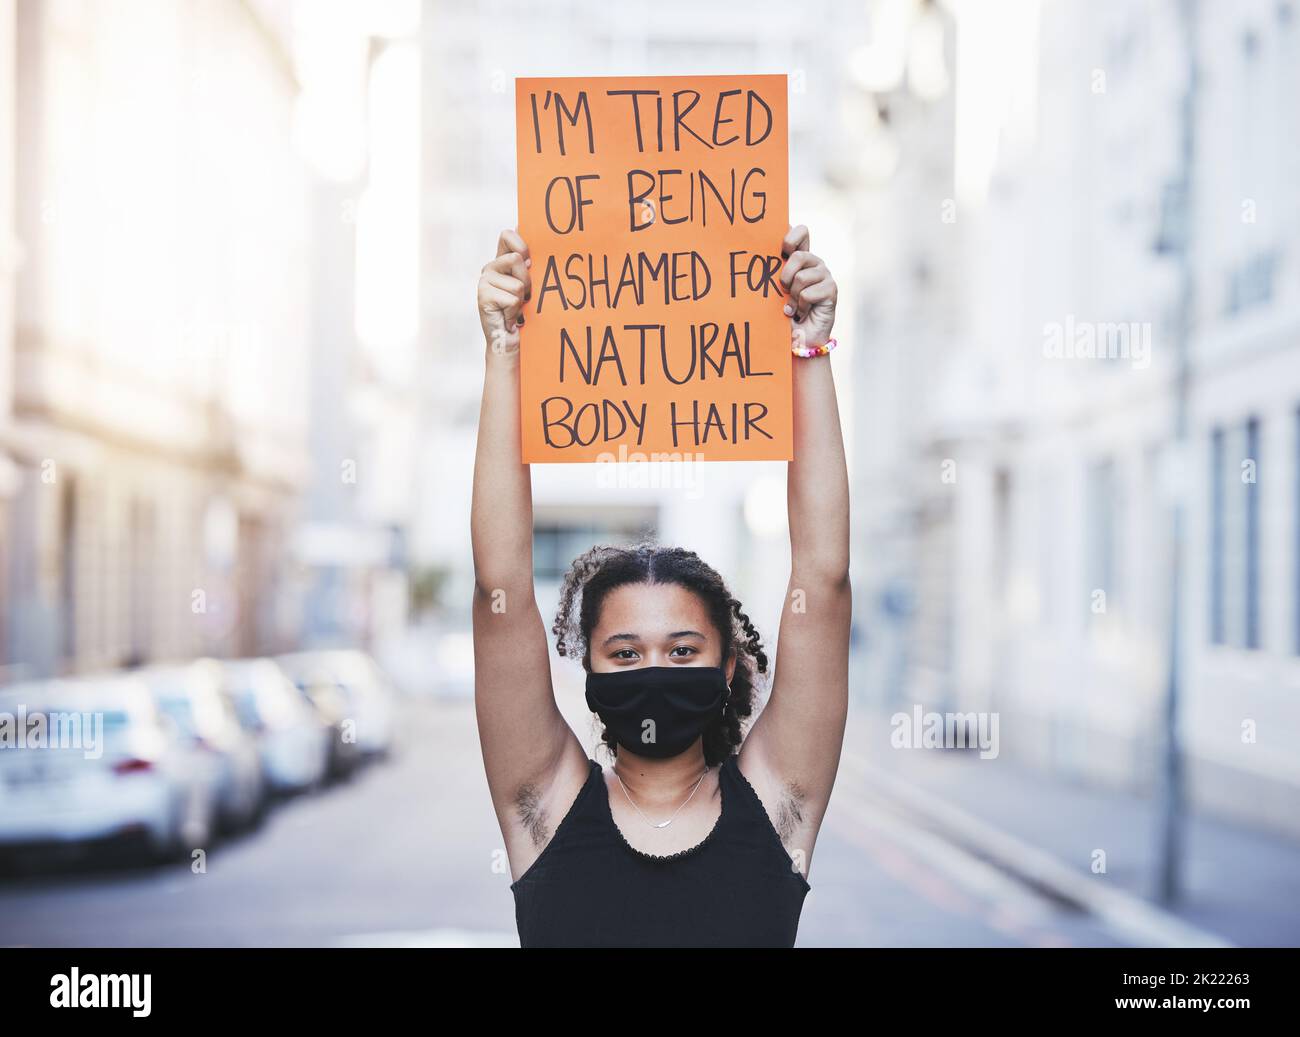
x=808, y=351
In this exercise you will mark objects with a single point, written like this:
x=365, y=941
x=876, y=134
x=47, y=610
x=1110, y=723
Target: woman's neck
x=656, y=782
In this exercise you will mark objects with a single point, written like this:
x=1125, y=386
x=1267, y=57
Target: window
x=1234, y=536
x=1104, y=508
x=559, y=538
x=69, y=552
x=1252, y=282
x=1049, y=550
x=1217, y=453
x=1002, y=531
x=1250, y=490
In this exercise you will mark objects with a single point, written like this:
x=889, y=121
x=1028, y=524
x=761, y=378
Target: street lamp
x=1175, y=238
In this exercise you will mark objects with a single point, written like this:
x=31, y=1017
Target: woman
x=699, y=834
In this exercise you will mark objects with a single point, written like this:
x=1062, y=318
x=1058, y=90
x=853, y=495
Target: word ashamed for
x=589, y=281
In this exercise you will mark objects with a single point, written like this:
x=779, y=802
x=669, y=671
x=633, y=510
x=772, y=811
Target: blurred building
x=1040, y=521
x=359, y=128
x=160, y=337
x=8, y=267
x=896, y=170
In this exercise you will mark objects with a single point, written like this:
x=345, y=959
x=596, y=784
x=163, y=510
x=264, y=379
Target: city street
x=404, y=855
x=946, y=363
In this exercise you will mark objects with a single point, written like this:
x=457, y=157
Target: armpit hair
x=528, y=805
x=789, y=815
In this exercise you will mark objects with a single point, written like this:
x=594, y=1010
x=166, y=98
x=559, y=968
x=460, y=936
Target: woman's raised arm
x=795, y=743
x=501, y=522
x=528, y=749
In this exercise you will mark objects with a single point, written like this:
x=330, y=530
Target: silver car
x=293, y=739
x=193, y=695
x=92, y=760
x=367, y=693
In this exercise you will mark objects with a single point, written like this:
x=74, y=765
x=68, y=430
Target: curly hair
x=603, y=568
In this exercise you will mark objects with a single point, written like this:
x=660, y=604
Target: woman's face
x=655, y=624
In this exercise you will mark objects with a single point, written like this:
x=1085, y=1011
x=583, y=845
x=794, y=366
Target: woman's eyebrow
x=635, y=638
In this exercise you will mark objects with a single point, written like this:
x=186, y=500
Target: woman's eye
x=684, y=648
x=625, y=653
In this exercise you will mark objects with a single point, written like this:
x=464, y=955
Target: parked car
x=291, y=735
x=194, y=696
x=324, y=695
x=124, y=777
x=369, y=697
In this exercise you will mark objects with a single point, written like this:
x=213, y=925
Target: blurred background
x=239, y=379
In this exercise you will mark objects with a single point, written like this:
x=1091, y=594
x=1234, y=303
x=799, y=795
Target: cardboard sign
x=654, y=210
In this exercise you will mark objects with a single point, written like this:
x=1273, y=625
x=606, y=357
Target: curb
x=1130, y=916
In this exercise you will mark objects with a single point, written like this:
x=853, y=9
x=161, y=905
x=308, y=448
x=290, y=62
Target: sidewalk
x=1240, y=885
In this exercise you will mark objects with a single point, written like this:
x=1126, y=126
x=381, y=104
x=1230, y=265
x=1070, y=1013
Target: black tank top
x=589, y=887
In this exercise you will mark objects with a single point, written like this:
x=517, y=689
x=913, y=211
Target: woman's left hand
x=813, y=293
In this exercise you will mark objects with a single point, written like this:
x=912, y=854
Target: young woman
x=699, y=834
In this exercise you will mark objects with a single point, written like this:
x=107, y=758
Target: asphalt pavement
x=408, y=853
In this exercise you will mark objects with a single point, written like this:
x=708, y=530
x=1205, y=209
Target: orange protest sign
x=654, y=210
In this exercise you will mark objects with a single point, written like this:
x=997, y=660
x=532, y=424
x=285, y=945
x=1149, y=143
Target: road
x=408, y=853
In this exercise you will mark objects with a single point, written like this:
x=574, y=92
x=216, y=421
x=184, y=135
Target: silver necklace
x=661, y=824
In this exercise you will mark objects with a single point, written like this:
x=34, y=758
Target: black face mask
x=658, y=711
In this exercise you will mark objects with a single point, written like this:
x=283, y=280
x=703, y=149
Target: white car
x=108, y=768
x=193, y=695
x=368, y=695
x=294, y=741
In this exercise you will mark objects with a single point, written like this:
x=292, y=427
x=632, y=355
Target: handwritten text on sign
x=654, y=210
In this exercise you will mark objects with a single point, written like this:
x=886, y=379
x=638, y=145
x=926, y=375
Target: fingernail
x=788, y=311
x=528, y=262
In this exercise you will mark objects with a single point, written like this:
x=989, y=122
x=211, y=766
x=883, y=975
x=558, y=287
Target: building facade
x=159, y=337
x=1052, y=450
x=8, y=269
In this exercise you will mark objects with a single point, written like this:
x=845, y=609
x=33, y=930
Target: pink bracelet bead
x=809, y=351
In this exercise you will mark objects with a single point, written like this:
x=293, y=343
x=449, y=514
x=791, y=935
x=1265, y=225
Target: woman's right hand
x=503, y=288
